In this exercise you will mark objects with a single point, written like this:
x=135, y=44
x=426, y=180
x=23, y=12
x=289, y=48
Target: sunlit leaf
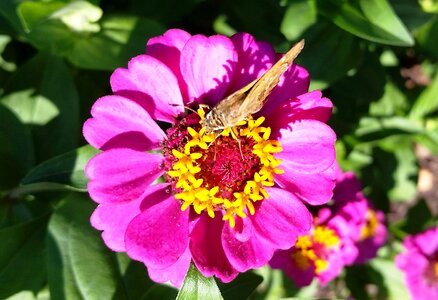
x=368, y=24
x=79, y=265
x=392, y=278
x=196, y=286
x=67, y=169
x=427, y=102
x=378, y=128
x=411, y=13
x=299, y=16
x=77, y=32
x=120, y=38
x=43, y=96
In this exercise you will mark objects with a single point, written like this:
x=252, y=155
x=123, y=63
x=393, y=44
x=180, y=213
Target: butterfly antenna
x=186, y=107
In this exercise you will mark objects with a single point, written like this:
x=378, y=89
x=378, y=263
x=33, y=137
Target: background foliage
x=376, y=60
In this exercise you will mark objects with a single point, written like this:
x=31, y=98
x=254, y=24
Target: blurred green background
x=375, y=59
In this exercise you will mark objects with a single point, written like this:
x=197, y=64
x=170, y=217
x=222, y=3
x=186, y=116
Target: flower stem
x=40, y=187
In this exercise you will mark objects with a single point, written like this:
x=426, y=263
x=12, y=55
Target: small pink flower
x=363, y=223
x=322, y=253
x=227, y=205
x=345, y=232
x=419, y=262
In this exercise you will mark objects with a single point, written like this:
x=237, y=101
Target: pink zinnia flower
x=362, y=222
x=345, y=232
x=322, y=253
x=419, y=262
x=226, y=205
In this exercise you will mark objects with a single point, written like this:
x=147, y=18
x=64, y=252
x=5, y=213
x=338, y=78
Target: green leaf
x=241, y=287
x=405, y=174
x=4, y=64
x=32, y=13
x=22, y=258
x=381, y=14
x=79, y=16
x=391, y=278
x=368, y=23
x=221, y=26
x=79, y=264
x=120, y=38
x=43, y=96
x=196, y=286
x=9, y=10
x=299, y=16
x=430, y=137
x=329, y=54
x=411, y=13
x=73, y=32
x=393, y=102
x=371, y=129
x=427, y=102
x=162, y=292
x=425, y=37
x=135, y=277
x=16, y=150
x=67, y=169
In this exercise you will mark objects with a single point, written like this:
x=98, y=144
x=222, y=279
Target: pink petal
x=175, y=273
x=281, y=218
x=308, y=147
x=243, y=229
x=347, y=187
x=255, y=58
x=252, y=253
x=427, y=241
x=167, y=48
x=306, y=106
x=301, y=277
x=335, y=265
x=113, y=219
x=315, y=189
x=119, y=175
x=152, y=84
x=207, y=65
x=120, y=122
x=293, y=82
x=207, y=250
x=159, y=235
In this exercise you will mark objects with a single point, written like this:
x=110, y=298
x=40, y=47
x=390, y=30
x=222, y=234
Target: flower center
x=369, y=229
x=315, y=248
x=220, y=172
x=431, y=272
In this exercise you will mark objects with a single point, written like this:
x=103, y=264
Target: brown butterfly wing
x=229, y=108
x=261, y=88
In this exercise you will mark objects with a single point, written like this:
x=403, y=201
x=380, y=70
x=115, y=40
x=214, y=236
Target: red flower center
x=226, y=171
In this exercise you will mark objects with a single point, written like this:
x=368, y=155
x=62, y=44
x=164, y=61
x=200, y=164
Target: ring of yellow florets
x=313, y=248
x=370, y=227
x=195, y=191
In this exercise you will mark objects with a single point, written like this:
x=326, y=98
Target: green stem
x=40, y=187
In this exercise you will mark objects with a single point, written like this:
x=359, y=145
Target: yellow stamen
x=304, y=254
x=370, y=228
x=194, y=192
